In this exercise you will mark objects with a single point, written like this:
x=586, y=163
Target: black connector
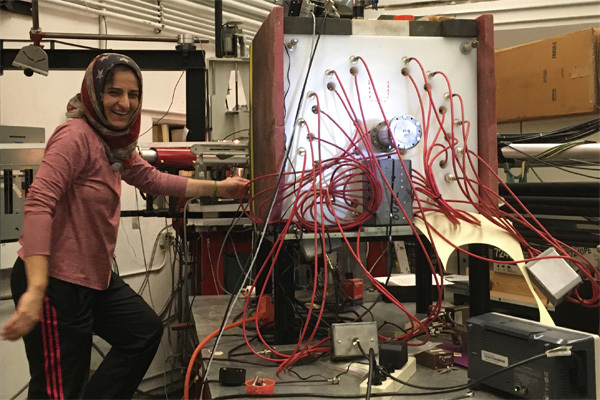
x=378, y=377
x=393, y=355
x=232, y=376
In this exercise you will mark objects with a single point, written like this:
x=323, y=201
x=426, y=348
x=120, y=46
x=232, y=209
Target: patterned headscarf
x=118, y=143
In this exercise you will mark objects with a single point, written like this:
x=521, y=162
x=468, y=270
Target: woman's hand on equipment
x=232, y=188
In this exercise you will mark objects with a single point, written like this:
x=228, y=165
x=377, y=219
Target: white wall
x=41, y=101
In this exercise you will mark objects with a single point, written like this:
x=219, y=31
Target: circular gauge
x=405, y=130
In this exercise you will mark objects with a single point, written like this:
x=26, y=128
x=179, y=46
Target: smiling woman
x=111, y=101
x=62, y=281
x=121, y=96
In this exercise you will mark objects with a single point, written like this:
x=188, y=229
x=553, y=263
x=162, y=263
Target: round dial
x=405, y=131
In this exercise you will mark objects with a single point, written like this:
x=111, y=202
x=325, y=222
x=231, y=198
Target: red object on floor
x=262, y=386
x=354, y=290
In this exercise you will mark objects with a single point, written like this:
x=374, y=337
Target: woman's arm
x=230, y=188
x=149, y=180
x=29, y=307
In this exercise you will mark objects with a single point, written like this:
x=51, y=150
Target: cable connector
x=562, y=351
x=334, y=381
x=329, y=6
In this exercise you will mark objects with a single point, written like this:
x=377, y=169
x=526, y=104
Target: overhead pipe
x=164, y=26
x=199, y=18
x=39, y=35
x=265, y=5
x=141, y=2
x=531, y=152
x=237, y=5
x=167, y=5
x=171, y=12
x=259, y=6
x=190, y=28
x=175, y=20
x=109, y=7
x=153, y=9
x=104, y=36
x=126, y=18
x=189, y=5
x=104, y=13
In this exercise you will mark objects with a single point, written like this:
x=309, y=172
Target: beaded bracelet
x=215, y=190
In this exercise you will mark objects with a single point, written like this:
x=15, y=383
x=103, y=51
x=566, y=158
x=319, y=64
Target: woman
x=62, y=282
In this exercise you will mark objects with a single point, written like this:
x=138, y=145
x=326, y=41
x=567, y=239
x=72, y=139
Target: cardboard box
x=547, y=78
x=512, y=287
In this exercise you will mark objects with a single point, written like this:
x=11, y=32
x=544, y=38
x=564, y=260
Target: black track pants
x=59, y=347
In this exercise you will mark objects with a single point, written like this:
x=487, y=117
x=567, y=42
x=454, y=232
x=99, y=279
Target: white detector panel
x=385, y=59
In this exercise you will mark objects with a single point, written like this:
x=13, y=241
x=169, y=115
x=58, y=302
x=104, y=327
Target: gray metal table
x=208, y=313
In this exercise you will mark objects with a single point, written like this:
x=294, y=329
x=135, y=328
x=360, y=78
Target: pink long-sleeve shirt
x=73, y=208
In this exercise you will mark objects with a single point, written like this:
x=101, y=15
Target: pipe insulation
x=94, y=5
x=180, y=16
x=152, y=9
x=70, y=6
x=186, y=5
x=178, y=28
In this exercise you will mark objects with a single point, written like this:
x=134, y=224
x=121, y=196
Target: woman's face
x=121, y=98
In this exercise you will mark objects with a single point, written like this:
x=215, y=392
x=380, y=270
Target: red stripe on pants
x=54, y=387
x=57, y=346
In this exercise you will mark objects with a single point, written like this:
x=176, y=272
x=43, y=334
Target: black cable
x=272, y=203
x=287, y=75
x=368, y=309
x=273, y=365
x=146, y=281
x=566, y=134
x=231, y=352
x=306, y=378
x=562, y=168
x=168, y=109
x=216, y=271
x=14, y=396
x=233, y=133
x=326, y=380
x=372, y=367
x=227, y=311
x=392, y=324
x=346, y=371
x=449, y=389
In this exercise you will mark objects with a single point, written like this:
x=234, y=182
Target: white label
x=494, y=358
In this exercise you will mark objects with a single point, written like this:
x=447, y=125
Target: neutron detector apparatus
x=359, y=122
